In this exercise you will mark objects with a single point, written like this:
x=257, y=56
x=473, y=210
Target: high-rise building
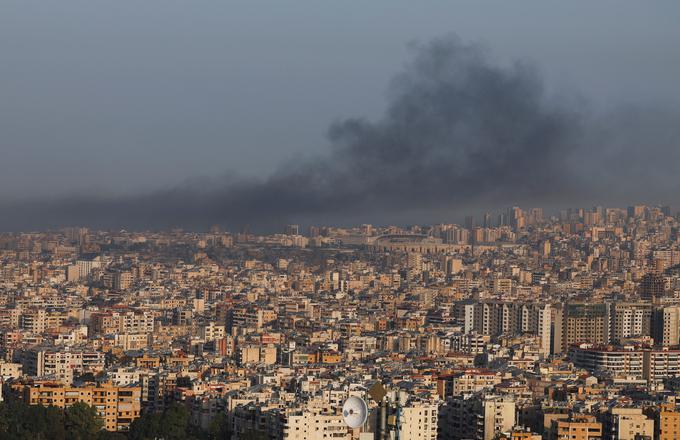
x=122, y=280
x=536, y=215
x=488, y=223
x=666, y=326
x=652, y=287
x=584, y=322
x=451, y=265
x=650, y=364
x=87, y=263
x=516, y=217
x=545, y=249
x=557, y=330
x=630, y=320
x=469, y=222
x=495, y=318
x=478, y=417
x=498, y=413
x=409, y=420
x=502, y=219
x=636, y=211
x=292, y=230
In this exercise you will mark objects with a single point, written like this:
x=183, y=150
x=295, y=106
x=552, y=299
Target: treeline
x=19, y=421
x=33, y=422
x=174, y=424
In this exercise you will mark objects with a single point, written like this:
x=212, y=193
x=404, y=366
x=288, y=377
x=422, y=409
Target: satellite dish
x=354, y=412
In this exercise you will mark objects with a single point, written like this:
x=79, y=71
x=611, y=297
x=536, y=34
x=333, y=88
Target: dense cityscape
x=308, y=220
x=516, y=324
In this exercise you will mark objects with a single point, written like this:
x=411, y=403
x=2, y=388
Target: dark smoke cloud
x=459, y=132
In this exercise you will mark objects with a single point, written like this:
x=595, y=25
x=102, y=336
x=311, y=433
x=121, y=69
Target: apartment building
x=117, y=406
x=127, y=321
x=626, y=424
x=668, y=426
x=51, y=361
x=479, y=417
x=577, y=427
x=466, y=382
x=652, y=364
x=417, y=420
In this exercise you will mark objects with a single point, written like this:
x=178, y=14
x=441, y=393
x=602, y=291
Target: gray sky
x=116, y=97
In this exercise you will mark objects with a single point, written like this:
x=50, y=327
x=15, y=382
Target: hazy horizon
x=172, y=114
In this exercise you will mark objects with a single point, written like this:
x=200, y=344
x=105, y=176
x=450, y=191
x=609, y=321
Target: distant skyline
x=131, y=109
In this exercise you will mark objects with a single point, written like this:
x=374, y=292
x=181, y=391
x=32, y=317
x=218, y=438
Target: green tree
x=108, y=435
x=19, y=421
x=146, y=427
x=253, y=434
x=86, y=377
x=82, y=421
x=219, y=427
x=175, y=422
x=171, y=424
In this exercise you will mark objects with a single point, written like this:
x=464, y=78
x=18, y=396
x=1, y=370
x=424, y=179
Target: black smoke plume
x=459, y=132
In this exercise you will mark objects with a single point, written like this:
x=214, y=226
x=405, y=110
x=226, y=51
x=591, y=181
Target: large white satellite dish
x=354, y=412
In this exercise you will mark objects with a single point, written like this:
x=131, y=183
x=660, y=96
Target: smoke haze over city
x=461, y=131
